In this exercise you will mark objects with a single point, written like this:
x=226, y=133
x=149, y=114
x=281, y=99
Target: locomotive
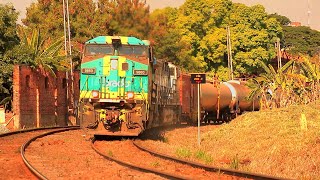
x=124, y=90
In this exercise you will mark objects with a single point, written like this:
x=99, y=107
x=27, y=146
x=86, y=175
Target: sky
x=295, y=10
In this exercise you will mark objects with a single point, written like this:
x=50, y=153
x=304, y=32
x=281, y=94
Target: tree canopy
x=198, y=31
x=8, y=36
x=301, y=40
x=8, y=40
x=283, y=20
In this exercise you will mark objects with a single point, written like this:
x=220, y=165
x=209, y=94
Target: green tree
x=8, y=36
x=163, y=34
x=47, y=15
x=124, y=17
x=201, y=25
x=283, y=20
x=253, y=36
x=301, y=40
x=8, y=39
x=196, y=21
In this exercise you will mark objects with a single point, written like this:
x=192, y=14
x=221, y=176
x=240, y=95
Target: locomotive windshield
x=99, y=49
x=133, y=50
x=108, y=49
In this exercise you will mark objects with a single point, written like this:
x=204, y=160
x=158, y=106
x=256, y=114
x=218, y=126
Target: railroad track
x=34, y=170
x=232, y=172
x=146, y=160
x=159, y=166
x=69, y=155
x=12, y=166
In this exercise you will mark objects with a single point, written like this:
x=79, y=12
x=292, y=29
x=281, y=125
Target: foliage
x=252, y=36
x=89, y=19
x=124, y=17
x=47, y=15
x=38, y=52
x=8, y=39
x=163, y=34
x=195, y=36
x=8, y=36
x=301, y=40
x=183, y=152
x=203, y=156
x=297, y=82
x=283, y=20
x=35, y=51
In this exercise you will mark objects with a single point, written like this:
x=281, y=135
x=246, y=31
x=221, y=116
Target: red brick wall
x=41, y=101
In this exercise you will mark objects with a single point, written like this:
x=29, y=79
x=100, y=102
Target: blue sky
x=295, y=10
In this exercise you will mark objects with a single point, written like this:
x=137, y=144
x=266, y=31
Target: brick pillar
x=16, y=97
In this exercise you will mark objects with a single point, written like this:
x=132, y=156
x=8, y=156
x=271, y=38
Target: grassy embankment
x=276, y=142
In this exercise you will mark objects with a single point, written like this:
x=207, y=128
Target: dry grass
x=270, y=142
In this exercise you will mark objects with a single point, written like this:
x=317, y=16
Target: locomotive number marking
x=88, y=70
x=140, y=72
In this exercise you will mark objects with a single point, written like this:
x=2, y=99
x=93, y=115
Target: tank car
x=226, y=100
x=124, y=89
x=219, y=101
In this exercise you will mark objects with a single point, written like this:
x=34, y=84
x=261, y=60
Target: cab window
x=98, y=49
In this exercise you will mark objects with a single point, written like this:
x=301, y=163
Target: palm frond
x=35, y=41
x=22, y=35
x=264, y=66
x=287, y=65
x=272, y=70
x=5, y=100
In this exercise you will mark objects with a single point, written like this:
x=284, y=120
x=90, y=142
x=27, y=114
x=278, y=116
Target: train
x=125, y=90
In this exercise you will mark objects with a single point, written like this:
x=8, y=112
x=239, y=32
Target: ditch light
x=130, y=95
x=95, y=94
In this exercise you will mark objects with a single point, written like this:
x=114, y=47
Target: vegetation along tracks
x=134, y=155
x=225, y=171
x=12, y=166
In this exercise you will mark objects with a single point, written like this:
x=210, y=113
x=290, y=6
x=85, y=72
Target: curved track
x=27, y=143
x=127, y=154
x=12, y=166
x=134, y=166
x=208, y=168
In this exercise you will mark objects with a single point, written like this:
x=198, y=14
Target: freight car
x=123, y=89
x=227, y=100
x=219, y=101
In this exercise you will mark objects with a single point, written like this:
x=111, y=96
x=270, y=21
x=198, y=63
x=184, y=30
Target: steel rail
x=27, y=143
x=32, y=129
x=137, y=167
x=210, y=168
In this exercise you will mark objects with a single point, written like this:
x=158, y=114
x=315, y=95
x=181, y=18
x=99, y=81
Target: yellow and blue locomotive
x=123, y=89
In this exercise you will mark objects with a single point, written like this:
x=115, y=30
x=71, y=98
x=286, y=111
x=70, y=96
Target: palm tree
x=273, y=84
x=46, y=56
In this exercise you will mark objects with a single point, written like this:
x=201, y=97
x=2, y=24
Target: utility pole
x=230, y=66
x=278, y=49
x=68, y=52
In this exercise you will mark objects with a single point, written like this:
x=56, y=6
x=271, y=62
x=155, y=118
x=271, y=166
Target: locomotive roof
x=124, y=40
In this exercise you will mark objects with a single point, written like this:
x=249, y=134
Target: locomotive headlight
x=95, y=94
x=114, y=64
x=130, y=95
